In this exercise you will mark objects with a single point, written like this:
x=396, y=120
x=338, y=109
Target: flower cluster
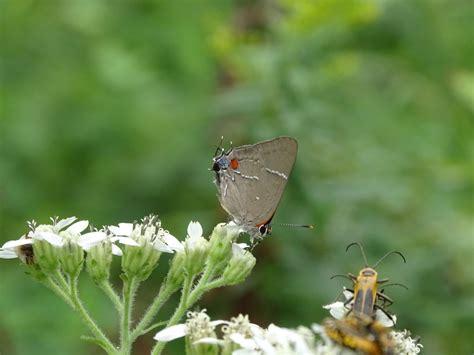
x=56, y=254
x=63, y=244
x=240, y=336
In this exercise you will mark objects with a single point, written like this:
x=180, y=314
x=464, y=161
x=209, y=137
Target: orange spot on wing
x=234, y=164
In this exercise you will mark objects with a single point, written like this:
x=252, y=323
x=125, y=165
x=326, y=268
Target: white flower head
x=239, y=325
x=194, y=229
x=148, y=232
x=198, y=327
x=405, y=344
x=56, y=234
x=20, y=248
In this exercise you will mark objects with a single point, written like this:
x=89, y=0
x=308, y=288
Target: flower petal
x=384, y=319
x=125, y=240
x=337, y=309
x=265, y=346
x=124, y=229
x=171, y=333
x=91, y=239
x=243, y=342
x=160, y=246
x=116, y=250
x=245, y=352
x=64, y=223
x=348, y=294
x=237, y=249
x=16, y=243
x=210, y=341
x=51, y=238
x=243, y=245
x=172, y=242
x=7, y=254
x=194, y=229
x=78, y=227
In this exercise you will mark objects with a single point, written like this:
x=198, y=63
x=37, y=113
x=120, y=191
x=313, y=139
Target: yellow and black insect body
x=366, y=296
x=360, y=333
x=359, y=330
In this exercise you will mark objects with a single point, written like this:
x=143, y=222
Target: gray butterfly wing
x=251, y=192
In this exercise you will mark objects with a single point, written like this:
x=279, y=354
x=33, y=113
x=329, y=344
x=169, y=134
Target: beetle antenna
x=340, y=275
x=361, y=250
x=389, y=253
x=395, y=284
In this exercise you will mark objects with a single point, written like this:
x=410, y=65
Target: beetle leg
x=387, y=301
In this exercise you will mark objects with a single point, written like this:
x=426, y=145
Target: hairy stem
x=128, y=295
x=87, y=319
x=110, y=292
x=165, y=292
x=178, y=313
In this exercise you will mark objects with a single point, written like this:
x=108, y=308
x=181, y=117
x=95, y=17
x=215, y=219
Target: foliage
x=113, y=110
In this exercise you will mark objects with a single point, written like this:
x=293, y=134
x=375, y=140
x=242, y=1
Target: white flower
x=198, y=327
x=54, y=234
x=404, y=344
x=147, y=232
x=15, y=248
x=194, y=229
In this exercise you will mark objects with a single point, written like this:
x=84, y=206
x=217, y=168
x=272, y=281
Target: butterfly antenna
x=310, y=226
x=219, y=146
x=390, y=253
x=361, y=250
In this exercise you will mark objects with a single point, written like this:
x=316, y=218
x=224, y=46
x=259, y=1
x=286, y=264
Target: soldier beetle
x=365, y=292
x=360, y=333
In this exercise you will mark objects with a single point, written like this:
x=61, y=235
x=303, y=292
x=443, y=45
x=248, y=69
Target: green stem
x=201, y=289
x=110, y=292
x=165, y=292
x=156, y=325
x=58, y=291
x=93, y=327
x=61, y=281
x=128, y=295
x=178, y=313
x=202, y=286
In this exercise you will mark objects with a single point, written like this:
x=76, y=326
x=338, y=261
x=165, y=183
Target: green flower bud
x=98, y=261
x=196, y=250
x=240, y=265
x=46, y=256
x=140, y=261
x=175, y=275
x=71, y=256
x=220, y=244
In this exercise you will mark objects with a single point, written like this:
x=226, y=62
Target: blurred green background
x=112, y=110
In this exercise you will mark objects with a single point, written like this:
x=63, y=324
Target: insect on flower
x=361, y=333
x=366, y=296
x=359, y=329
